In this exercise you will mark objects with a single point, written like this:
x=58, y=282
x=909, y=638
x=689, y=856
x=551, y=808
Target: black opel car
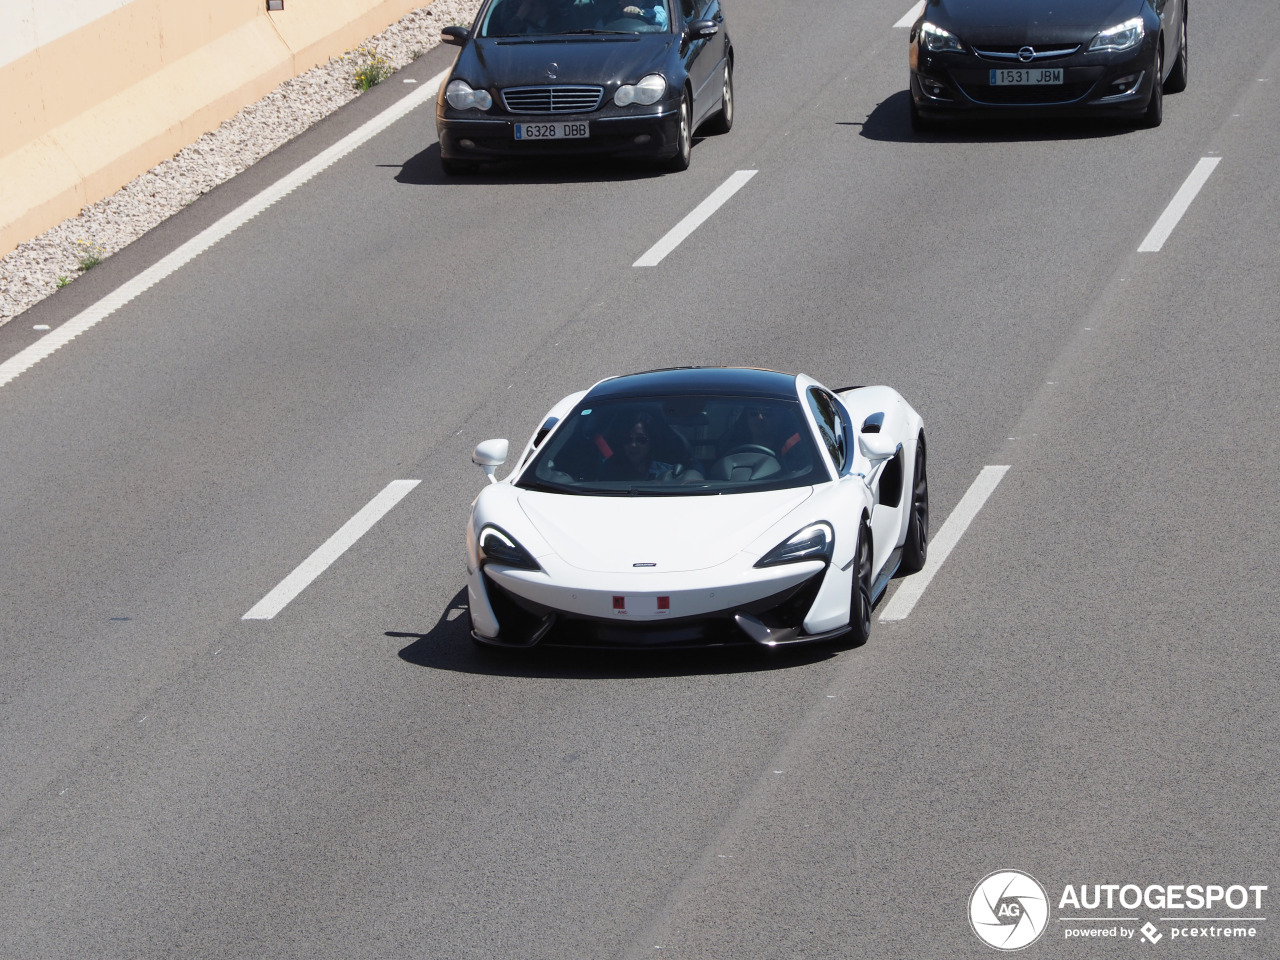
x=1040, y=57
x=554, y=77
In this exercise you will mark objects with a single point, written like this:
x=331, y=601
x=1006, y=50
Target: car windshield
x=677, y=446
x=554, y=18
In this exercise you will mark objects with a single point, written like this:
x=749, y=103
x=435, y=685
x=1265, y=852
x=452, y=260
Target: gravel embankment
x=38, y=267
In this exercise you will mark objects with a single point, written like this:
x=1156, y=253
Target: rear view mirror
x=456, y=36
x=489, y=456
x=701, y=29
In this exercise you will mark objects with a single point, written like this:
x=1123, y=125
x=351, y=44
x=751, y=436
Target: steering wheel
x=750, y=461
x=752, y=448
x=672, y=474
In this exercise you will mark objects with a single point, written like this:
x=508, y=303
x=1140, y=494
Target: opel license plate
x=1035, y=76
x=559, y=130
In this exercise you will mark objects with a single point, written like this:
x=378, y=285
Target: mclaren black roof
x=698, y=381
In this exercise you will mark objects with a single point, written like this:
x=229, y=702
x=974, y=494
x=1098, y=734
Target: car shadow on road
x=423, y=169
x=448, y=646
x=889, y=122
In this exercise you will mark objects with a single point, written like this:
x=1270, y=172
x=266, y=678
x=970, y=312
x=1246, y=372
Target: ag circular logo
x=1008, y=910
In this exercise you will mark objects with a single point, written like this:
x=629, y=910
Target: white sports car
x=699, y=507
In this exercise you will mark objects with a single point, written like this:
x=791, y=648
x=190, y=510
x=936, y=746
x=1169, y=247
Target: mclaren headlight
x=1123, y=36
x=462, y=96
x=647, y=91
x=814, y=542
x=937, y=40
x=498, y=546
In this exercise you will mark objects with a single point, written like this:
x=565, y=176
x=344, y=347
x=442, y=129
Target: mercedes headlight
x=937, y=40
x=498, y=546
x=647, y=91
x=1124, y=36
x=814, y=542
x=462, y=96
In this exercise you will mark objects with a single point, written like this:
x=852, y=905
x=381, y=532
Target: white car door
x=838, y=437
x=885, y=490
x=886, y=516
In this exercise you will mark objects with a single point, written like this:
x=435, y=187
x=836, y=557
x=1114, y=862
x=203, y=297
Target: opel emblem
x=1027, y=54
x=553, y=70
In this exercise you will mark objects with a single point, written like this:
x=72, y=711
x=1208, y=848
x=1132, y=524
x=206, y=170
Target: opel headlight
x=498, y=546
x=1124, y=36
x=462, y=96
x=937, y=40
x=814, y=542
x=647, y=91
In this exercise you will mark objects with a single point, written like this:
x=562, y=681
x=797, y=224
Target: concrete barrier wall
x=86, y=110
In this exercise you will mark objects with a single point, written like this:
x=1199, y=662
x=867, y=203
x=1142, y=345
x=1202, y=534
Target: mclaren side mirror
x=456, y=36
x=489, y=456
x=877, y=447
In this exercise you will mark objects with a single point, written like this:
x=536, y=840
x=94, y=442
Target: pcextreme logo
x=1008, y=910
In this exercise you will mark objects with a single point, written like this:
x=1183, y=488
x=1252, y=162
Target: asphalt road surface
x=1086, y=690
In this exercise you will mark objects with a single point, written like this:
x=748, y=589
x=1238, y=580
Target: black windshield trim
x=726, y=382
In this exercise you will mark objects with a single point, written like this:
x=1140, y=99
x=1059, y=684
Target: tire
x=684, y=137
x=1177, y=81
x=916, y=549
x=722, y=122
x=457, y=168
x=1154, y=114
x=860, y=601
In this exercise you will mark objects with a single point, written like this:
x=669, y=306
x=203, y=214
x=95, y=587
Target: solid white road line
x=911, y=16
x=1178, y=205
x=330, y=550
x=676, y=235
x=940, y=547
x=26, y=359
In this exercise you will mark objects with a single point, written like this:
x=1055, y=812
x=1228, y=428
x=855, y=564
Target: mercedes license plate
x=560, y=130
x=1036, y=76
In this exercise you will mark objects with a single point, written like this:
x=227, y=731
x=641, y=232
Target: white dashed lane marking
x=940, y=547
x=1178, y=205
x=330, y=550
x=677, y=234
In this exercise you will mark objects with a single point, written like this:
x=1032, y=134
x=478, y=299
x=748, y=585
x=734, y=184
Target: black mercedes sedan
x=1042, y=57
x=631, y=78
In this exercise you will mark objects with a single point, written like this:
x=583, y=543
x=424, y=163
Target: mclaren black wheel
x=916, y=549
x=860, y=601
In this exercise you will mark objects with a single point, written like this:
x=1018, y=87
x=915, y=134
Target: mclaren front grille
x=543, y=100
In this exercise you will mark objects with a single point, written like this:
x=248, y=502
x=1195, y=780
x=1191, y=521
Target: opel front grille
x=1005, y=54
